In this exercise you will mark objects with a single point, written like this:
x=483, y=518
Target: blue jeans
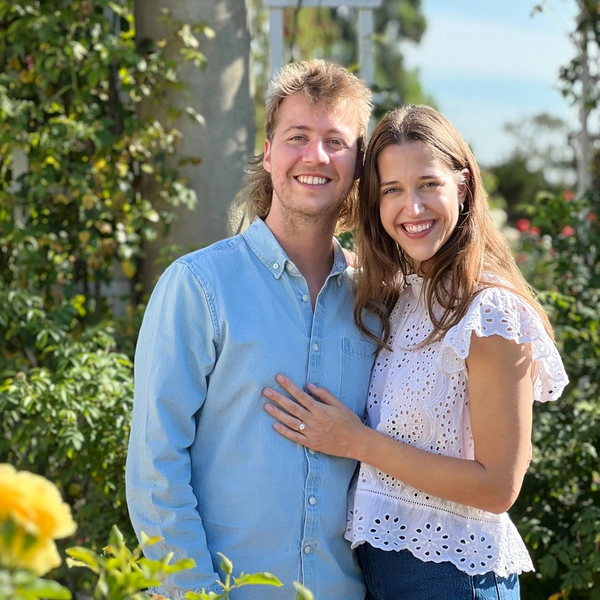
x=398, y=575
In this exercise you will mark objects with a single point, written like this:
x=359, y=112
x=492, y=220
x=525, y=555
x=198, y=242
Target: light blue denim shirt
x=205, y=469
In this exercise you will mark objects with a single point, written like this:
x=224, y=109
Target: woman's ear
x=465, y=175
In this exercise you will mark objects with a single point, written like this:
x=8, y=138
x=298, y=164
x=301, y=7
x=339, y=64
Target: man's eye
x=432, y=184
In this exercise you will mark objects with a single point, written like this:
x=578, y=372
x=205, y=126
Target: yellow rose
x=32, y=516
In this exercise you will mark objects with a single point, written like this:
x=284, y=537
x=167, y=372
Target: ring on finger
x=302, y=426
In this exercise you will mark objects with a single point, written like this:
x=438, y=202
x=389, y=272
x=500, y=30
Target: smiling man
x=205, y=469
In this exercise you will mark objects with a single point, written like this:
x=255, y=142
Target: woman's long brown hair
x=461, y=268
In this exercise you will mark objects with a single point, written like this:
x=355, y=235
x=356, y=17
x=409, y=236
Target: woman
x=466, y=350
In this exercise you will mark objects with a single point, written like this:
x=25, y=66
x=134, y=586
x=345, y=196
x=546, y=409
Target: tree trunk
x=223, y=94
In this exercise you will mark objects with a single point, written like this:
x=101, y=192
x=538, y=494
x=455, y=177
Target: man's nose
x=316, y=152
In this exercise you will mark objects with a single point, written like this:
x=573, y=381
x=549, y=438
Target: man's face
x=312, y=159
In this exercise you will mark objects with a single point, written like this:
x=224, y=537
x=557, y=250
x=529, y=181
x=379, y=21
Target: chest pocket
x=357, y=362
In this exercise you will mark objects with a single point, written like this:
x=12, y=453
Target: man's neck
x=309, y=247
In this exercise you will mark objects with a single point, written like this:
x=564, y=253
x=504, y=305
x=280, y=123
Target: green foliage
x=65, y=405
x=558, y=510
x=241, y=580
x=121, y=574
x=24, y=585
x=517, y=182
x=74, y=85
x=79, y=98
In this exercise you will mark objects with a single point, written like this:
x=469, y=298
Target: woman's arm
x=500, y=394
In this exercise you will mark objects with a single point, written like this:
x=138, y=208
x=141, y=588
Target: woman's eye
x=390, y=191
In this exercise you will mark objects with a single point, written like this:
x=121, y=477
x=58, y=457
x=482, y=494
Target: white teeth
x=418, y=228
x=312, y=180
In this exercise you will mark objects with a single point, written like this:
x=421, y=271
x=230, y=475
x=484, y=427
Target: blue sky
x=489, y=62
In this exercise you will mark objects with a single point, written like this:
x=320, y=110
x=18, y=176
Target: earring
x=461, y=207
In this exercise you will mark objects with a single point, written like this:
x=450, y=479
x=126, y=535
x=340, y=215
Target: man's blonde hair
x=322, y=83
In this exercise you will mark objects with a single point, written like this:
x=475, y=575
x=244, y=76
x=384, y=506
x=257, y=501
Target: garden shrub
x=558, y=510
x=73, y=77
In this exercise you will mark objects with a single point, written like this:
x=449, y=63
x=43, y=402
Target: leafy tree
x=517, y=183
x=558, y=510
x=72, y=76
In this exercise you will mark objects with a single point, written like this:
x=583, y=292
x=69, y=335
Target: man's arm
x=174, y=357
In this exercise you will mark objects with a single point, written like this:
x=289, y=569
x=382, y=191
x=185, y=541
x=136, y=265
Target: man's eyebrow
x=307, y=128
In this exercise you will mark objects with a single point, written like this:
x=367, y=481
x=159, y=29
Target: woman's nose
x=413, y=204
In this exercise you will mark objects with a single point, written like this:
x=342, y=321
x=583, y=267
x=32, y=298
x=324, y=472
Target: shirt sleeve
x=176, y=352
x=496, y=311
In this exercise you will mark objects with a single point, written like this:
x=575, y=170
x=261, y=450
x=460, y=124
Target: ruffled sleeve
x=496, y=311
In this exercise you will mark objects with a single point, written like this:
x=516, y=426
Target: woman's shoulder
x=499, y=310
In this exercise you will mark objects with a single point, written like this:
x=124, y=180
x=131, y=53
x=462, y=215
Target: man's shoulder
x=216, y=255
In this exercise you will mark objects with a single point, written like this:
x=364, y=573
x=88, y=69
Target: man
x=205, y=469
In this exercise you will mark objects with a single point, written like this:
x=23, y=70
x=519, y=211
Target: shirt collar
x=267, y=249
x=415, y=282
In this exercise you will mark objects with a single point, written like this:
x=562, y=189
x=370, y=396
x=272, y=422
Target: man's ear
x=267, y=157
x=358, y=169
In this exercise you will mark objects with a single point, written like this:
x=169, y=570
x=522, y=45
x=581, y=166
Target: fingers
x=294, y=391
x=288, y=405
x=321, y=393
x=294, y=423
x=324, y=395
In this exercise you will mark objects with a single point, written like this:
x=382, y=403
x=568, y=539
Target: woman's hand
x=327, y=426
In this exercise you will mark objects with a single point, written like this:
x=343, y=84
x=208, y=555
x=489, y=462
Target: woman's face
x=419, y=198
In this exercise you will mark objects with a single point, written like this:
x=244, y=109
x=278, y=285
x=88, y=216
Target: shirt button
x=305, y=298
x=312, y=500
x=289, y=267
x=275, y=266
x=339, y=280
x=306, y=549
x=313, y=452
x=316, y=347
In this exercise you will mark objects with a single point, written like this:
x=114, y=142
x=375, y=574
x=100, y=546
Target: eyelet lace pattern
x=419, y=396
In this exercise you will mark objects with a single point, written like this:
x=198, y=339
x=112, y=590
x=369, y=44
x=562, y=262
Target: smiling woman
x=465, y=352
x=420, y=200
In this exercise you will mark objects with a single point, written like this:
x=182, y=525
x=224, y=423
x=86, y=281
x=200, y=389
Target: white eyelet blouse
x=420, y=397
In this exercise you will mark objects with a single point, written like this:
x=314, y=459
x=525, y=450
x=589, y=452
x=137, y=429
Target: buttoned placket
x=314, y=320
x=314, y=462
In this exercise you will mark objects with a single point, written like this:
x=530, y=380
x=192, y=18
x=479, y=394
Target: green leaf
x=257, y=579
x=149, y=541
x=47, y=589
x=302, y=593
x=226, y=564
x=83, y=557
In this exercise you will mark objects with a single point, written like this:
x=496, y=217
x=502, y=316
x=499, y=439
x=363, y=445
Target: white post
x=275, y=41
x=584, y=143
x=20, y=166
x=365, y=45
x=365, y=30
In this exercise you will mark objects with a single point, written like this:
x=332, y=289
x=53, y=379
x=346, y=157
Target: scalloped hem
x=499, y=571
